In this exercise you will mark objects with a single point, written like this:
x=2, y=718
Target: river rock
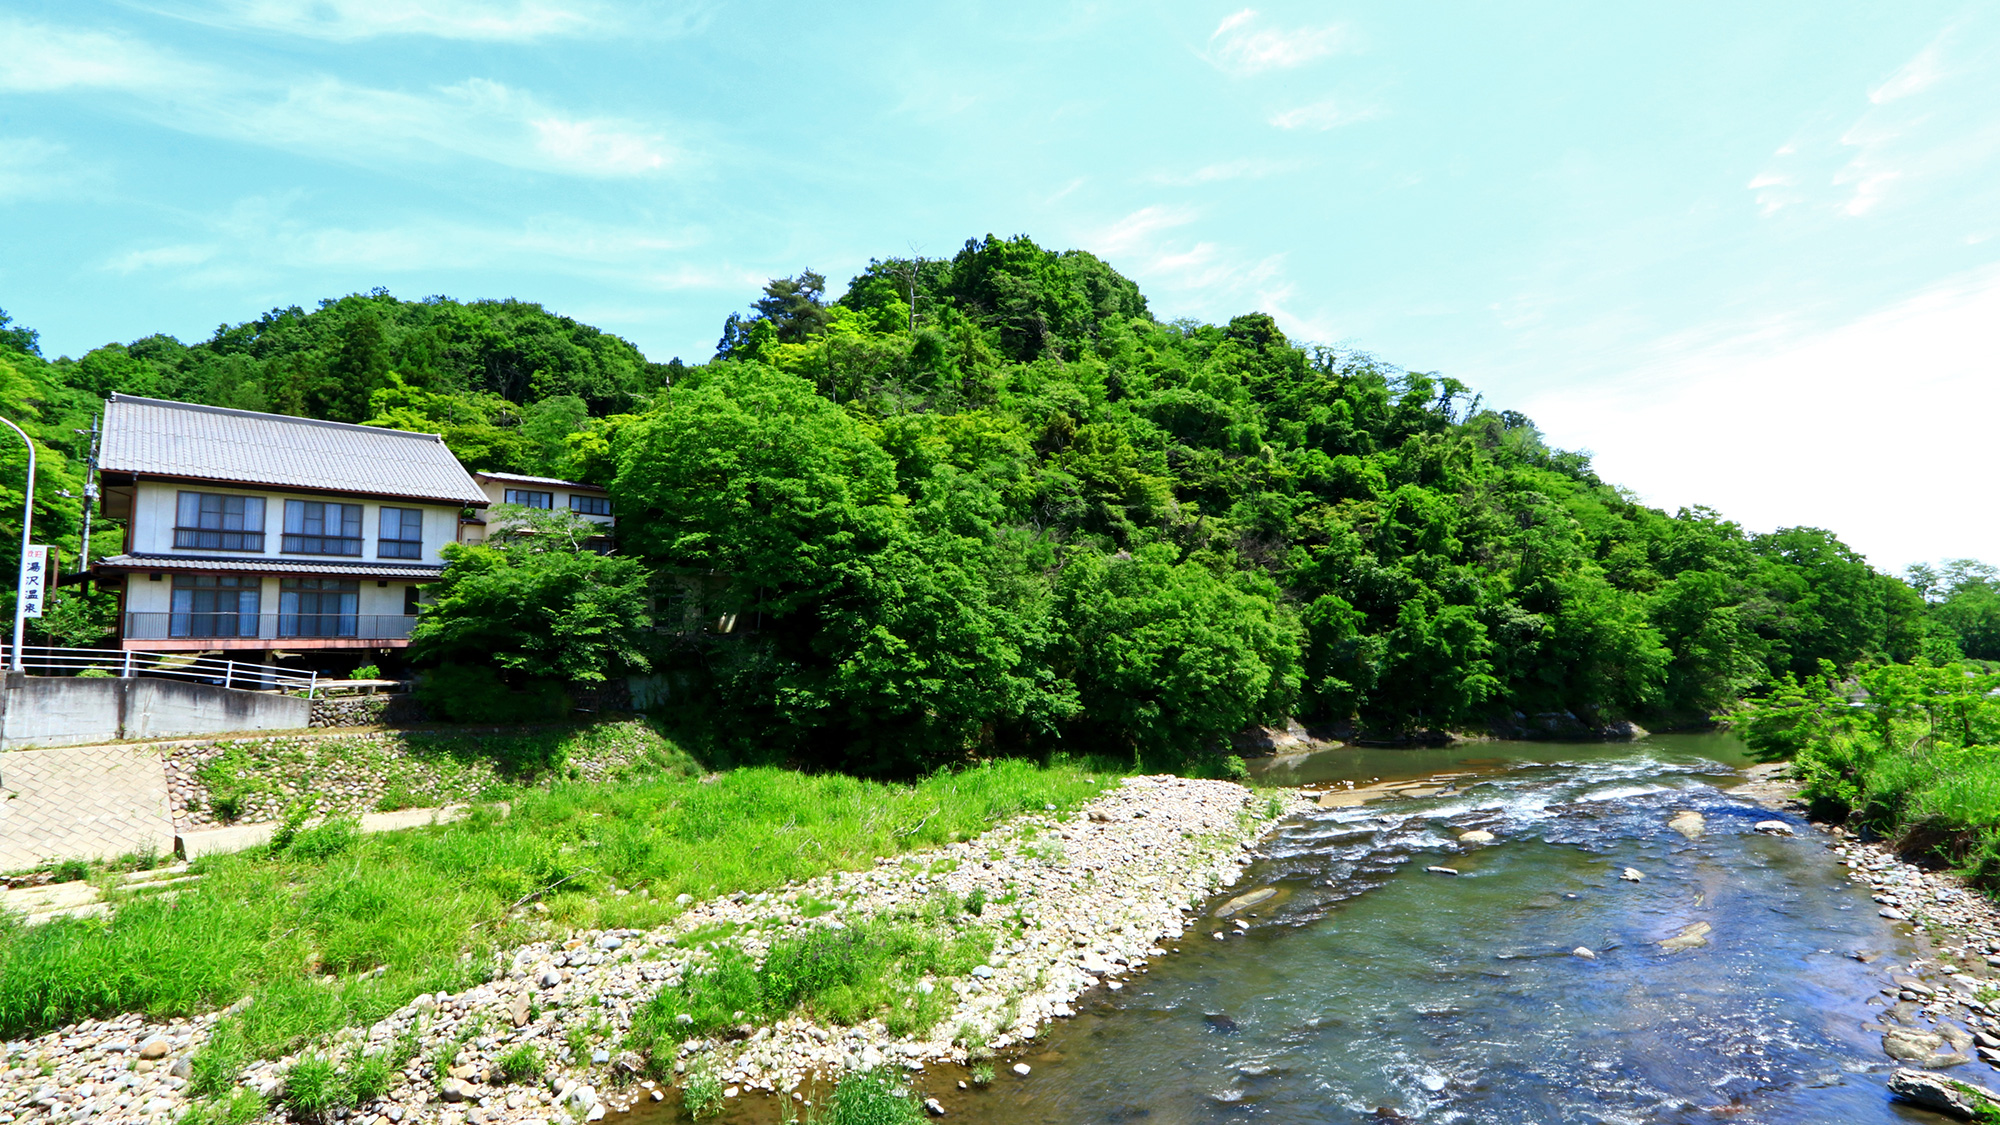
x=1911, y=1044
x=517, y=1012
x=154, y=1048
x=1477, y=836
x=456, y=1090
x=1584, y=952
x=1775, y=828
x=1693, y=937
x=1946, y=1095
x=1632, y=875
x=1689, y=823
x=1022, y=1069
x=1245, y=902
x=1437, y=870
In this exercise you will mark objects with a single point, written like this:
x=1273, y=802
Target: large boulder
x=1943, y=1094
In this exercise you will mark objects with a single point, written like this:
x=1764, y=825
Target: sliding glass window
x=316, y=528
x=214, y=605
x=402, y=535
x=213, y=521
x=318, y=607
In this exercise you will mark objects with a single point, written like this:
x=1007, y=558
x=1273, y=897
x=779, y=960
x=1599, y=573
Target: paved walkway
x=237, y=837
x=83, y=802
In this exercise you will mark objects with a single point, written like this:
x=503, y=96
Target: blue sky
x=1745, y=254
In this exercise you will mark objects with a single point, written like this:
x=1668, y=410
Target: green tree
x=531, y=602
x=1170, y=656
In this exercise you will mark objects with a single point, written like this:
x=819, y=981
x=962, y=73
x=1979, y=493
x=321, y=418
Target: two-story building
x=589, y=501
x=248, y=531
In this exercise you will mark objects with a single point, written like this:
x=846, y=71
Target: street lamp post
x=27, y=533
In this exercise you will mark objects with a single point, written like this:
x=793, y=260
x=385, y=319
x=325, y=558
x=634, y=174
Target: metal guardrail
x=166, y=626
x=46, y=660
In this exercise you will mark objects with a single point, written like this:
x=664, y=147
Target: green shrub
x=320, y=842
x=240, y=1107
x=701, y=1093
x=472, y=693
x=214, y=1069
x=96, y=673
x=522, y=1064
x=866, y=970
x=982, y=1074
x=368, y=1077
x=69, y=871
x=868, y=1097
x=366, y=672
x=314, y=1088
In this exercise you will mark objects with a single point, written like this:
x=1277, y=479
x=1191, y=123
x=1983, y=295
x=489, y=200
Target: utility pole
x=89, y=496
x=27, y=532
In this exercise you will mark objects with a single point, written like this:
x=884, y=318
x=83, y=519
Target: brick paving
x=82, y=802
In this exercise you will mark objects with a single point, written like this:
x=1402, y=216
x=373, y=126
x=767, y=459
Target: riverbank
x=1060, y=903
x=1938, y=1011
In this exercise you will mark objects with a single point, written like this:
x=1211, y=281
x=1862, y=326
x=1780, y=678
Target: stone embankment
x=1089, y=898
x=258, y=780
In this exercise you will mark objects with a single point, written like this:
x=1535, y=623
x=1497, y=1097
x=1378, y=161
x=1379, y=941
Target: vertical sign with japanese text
x=34, y=580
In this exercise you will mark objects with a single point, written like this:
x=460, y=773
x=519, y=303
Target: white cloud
x=1927, y=127
x=259, y=238
x=1135, y=232
x=1246, y=169
x=327, y=117
x=351, y=20
x=1913, y=77
x=1239, y=47
x=36, y=58
x=34, y=168
x=161, y=257
x=1329, y=114
x=1877, y=429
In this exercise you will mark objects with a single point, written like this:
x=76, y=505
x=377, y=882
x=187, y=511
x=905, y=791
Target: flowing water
x=1370, y=988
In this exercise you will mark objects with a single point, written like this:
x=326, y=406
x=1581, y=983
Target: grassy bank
x=1907, y=753
x=327, y=928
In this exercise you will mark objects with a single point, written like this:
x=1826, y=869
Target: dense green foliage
x=531, y=601
x=992, y=503
x=1907, y=751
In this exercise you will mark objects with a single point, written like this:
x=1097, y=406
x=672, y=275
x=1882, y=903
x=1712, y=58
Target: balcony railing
x=161, y=626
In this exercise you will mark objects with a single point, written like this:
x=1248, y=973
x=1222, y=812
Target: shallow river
x=1369, y=987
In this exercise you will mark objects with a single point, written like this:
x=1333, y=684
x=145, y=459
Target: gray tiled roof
x=178, y=439
x=269, y=564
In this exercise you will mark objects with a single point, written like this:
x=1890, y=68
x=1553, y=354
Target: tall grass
x=867, y=969
x=299, y=929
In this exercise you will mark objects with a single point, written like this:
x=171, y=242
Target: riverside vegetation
x=993, y=504
x=327, y=928
x=1910, y=753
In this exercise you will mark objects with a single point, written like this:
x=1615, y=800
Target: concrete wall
x=67, y=711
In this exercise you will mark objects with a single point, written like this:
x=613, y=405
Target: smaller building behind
x=541, y=494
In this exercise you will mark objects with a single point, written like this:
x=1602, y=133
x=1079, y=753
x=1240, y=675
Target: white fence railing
x=44, y=660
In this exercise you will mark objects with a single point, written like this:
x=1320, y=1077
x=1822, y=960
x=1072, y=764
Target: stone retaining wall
x=257, y=780
x=366, y=711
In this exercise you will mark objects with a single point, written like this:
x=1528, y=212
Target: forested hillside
x=992, y=502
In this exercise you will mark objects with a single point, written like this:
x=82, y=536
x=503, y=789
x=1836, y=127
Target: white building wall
x=155, y=506
x=496, y=491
